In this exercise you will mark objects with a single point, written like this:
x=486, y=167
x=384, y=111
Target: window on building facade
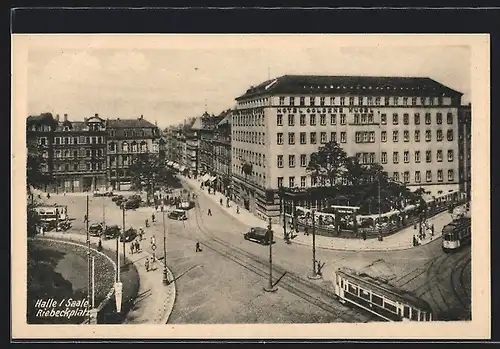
x=312, y=138
x=427, y=118
x=302, y=120
x=439, y=135
x=383, y=119
x=314, y=180
x=322, y=119
x=417, y=118
x=440, y=175
x=383, y=136
x=386, y=100
x=342, y=119
x=322, y=101
x=450, y=155
x=87, y=153
x=291, y=181
x=333, y=119
x=406, y=156
x=291, y=120
x=370, y=100
x=439, y=118
x=323, y=138
x=332, y=100
x=406, y=176
x=417, y=135
x=406, y=119
x=428, y=136
x=303, y=181
x=291, y=137
x=428, y=176
x=395, y=136
x=279, y=138
x=370, y=118
x=343, y=137
x=291, y=160
x=302, y=138
x=351, y=100
x=292, y=100
x=144, y=147
x=364, y=159
x=384, y=157
x=303, y=160
x=439, y=155
x=372, y=158
x=449, y=135
x=282, y=100
x=428, y=156
x=125, y=147
x=449, y=118
x=302, y=101
x=342, y=100
x=395, y=176
x=395, y=119
x=417, y=176
x=406, y=135
x=280, y=182
x=312, y=101
x=395, y=157
x=312, y=120
x=333, y=136
x=451, y=175
x=279, y=120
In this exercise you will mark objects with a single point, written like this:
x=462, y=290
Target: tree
x=328, y=163
x=147, y=170
x=35, y=177
x=355, y=174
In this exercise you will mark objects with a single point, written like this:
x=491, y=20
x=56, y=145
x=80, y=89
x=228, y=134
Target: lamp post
x=270, y=287
x=165, y=270
x=314, y=275
x=118, y=283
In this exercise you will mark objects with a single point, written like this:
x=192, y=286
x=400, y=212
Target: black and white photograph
x=272, y=180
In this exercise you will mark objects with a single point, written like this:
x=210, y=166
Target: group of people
x=427, y=230
x=135, y=246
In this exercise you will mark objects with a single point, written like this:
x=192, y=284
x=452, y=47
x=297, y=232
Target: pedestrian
x=220, y=201
x=132, y=245
x=306, y=231
x=237, y=209
x=209, y=212
x=432, y=230
x=138, y=246
x=153, y=240
x=48, y=195
x=64, y=192
x=84, y=218
x=153, y=217
x=141, y=233
x=147, y=223
x=320, y=267
x=146, y=263
x=198, y=249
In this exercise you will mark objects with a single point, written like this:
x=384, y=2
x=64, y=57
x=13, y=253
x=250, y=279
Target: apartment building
x=465, y=148
x=409, y=125
x=222, y=153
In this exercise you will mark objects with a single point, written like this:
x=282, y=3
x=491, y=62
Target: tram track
x=313, y=294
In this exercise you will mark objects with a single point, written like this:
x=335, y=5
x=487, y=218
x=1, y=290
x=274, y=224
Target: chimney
x=118, y=119
x=57, y=117
x=65, y=117
x=96, y=115
x=142, y=117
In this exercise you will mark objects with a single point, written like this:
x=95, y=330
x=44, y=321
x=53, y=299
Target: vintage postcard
x=251, y=186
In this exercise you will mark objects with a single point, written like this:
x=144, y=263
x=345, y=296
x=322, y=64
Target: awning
x=205, y=178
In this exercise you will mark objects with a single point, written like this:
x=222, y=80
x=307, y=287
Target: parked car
x=129, y=235
x=111, y=232
x=116, y=198
x=260, y=235
x=132, y=204
x=64, y=225
x=96, y=229
x=177, y=214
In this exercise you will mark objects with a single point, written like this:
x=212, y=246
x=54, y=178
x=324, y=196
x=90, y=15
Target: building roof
x=129, y=123
x=196, y=125
x=354, y=85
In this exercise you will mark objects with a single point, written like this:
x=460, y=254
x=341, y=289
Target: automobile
x=129, y=235
x=117, y=197
x=258, y=234
x=63, y=225
x=95, y=229
x=177, y=214
x=132, y=203
x=111, y=232
x=99, y=193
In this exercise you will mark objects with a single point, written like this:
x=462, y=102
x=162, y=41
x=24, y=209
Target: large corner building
x=409, y=125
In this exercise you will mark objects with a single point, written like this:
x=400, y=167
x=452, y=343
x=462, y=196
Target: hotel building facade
x=408, y=125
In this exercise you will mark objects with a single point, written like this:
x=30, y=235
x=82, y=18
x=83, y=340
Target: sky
x=168, y=82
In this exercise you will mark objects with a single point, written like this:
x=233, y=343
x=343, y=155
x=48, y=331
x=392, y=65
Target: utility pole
x=89, y=267
x=123, y=218
x=118, y=284
x=270, y=287
x=284, y=214
x=314, y=275
x=165, y=270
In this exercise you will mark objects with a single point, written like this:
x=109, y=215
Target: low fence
x=372, y=233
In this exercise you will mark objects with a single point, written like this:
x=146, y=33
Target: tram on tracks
x=379, y=298
x=456, y=234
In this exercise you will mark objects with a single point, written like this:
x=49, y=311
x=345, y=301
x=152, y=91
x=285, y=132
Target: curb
x=325, y=247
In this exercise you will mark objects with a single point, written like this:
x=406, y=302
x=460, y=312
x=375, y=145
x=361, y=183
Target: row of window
x=76, y=153
x=134, y=147
x=417, y=157
x=406, y=136
x=360, y=119
x=73, y=140
x=405, y=176
x=132, y=133
x=252, y=157
x=249, y=119
x=254, y=176
x=363, y=100
x=250, y=137
x=313, y=139
x=75, y=167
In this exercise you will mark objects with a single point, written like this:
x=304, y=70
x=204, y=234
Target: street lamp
x=270, y=287
x=165, y=270
x=314, y=275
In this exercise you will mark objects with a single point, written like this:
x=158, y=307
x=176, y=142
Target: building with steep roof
x=407, y=124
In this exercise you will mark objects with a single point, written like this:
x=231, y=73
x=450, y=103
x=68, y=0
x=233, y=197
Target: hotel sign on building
x=408, y=125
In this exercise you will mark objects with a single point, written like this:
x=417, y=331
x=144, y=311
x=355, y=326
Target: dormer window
x=66, y=128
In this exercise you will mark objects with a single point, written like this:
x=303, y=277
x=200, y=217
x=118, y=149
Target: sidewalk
x=402, y=240
x=156, y=299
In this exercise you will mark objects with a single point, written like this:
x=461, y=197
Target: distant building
x=191, y=145
x=126, y=138
x=408, y=125
x=221, y=143
x=464, y=148
x=206, y=148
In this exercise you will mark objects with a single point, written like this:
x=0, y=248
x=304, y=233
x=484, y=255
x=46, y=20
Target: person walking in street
x=209, y=212
x=153, y=240
x=306, y=231
x=198, y=249
x=147, y=223
x=220, y=201
x=141, y=233
x=320, y=267
x=153, y=217
x=146, y=264
x=237, y=209
x=137, y=246
x=132, y=245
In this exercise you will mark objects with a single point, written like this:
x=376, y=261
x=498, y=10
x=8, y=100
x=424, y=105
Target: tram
x=456, y=234
x=379, y=298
